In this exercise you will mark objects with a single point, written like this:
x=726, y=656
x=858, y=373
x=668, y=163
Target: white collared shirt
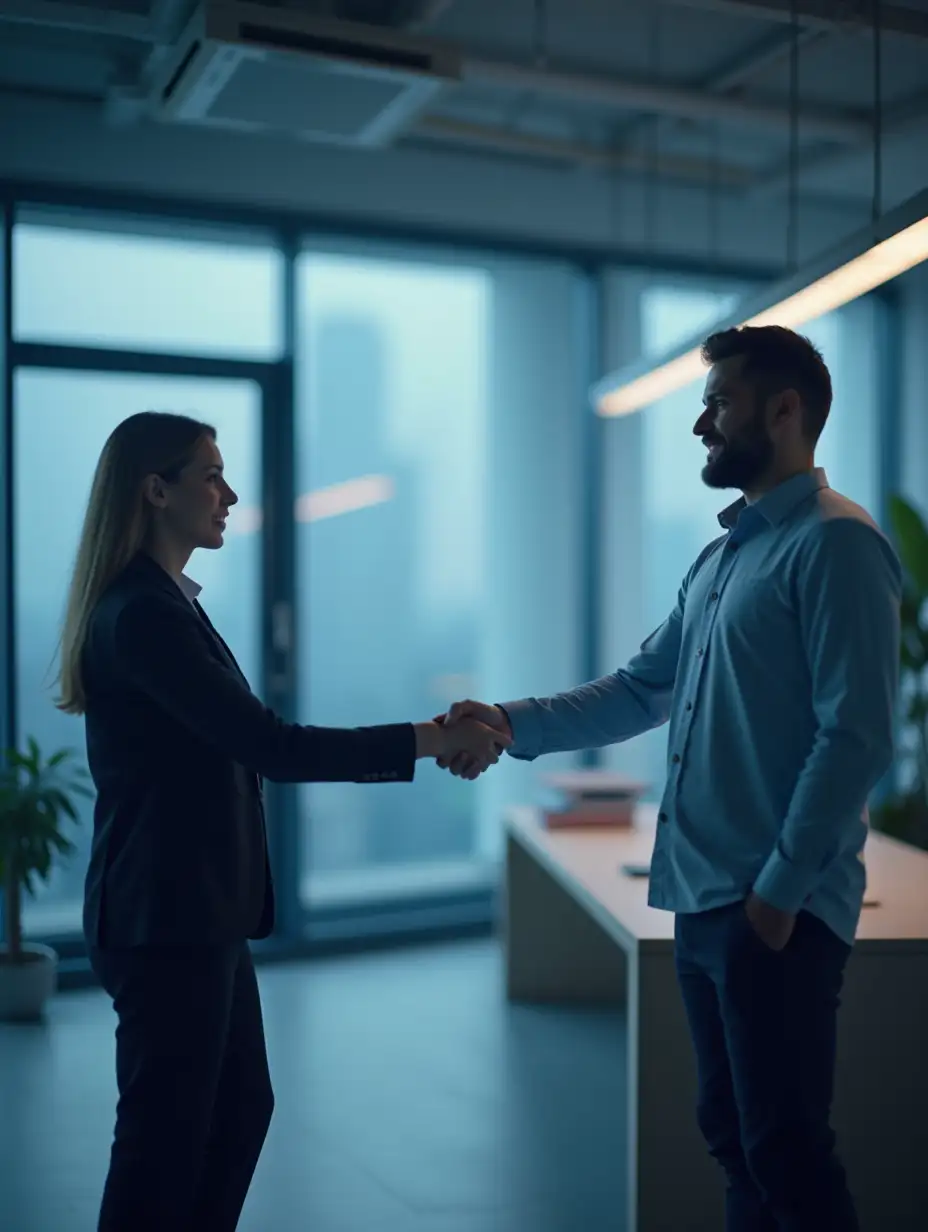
x=189, y=588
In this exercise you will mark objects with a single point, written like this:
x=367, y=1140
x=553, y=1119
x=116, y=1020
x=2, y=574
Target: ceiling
x=684, y=91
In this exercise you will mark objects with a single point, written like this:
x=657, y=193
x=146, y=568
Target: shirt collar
x=776, y=505
x=189, y=588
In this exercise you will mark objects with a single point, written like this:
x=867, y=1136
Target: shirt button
x=662, y=817
x=676, y=759
x=689, y=705
x=714, y=596
x=699, y=653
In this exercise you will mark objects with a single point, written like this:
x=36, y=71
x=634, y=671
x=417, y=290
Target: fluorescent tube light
x=331, y=502
x=898, y=242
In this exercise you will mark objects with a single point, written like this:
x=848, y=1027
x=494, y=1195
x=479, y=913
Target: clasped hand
x=477, y=735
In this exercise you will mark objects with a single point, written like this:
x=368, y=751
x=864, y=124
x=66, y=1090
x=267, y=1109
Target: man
x=777, y=669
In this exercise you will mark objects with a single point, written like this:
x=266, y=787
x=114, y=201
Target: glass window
x=849, y=448
x=61, y=422
x=676, y=515
x=432, y=564
x=680, y=514
x=112, y=288
x=5, y=616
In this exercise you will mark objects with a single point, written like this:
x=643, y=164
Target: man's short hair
x=776, y=358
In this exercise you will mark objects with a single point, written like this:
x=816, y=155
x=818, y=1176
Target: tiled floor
x=410, y=1098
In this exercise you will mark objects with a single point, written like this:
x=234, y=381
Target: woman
x=178, y=747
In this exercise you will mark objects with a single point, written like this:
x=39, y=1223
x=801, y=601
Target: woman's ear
x=155, y=491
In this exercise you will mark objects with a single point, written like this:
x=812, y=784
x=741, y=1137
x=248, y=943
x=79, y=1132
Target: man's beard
x=739, y=463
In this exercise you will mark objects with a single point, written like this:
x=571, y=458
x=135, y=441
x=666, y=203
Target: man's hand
x=490, y=716
x=471, y=744
x=773, y=927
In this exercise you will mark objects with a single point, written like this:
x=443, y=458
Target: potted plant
x=36, y=798
x=904, y=812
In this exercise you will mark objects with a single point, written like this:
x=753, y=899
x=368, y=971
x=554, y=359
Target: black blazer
x=178, y=746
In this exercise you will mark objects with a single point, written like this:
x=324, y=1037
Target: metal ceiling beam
x=766, y=52
x=660, y=100
x=737, y=71
x=63, y=16
x=823, y=14
x=429, y=12
x=899, y=121
x=528, y=145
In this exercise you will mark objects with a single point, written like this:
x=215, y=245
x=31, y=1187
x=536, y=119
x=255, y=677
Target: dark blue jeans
x=764, y=1027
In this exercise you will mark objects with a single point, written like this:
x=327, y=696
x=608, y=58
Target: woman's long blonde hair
x=117, y=524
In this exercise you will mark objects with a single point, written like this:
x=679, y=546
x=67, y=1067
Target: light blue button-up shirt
x=778, y=669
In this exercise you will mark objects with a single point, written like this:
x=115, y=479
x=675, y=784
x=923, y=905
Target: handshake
x=471, y=737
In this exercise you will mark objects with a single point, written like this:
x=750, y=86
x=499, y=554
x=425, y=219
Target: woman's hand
x=493, y=717
x=468, y=739
x=480, y=744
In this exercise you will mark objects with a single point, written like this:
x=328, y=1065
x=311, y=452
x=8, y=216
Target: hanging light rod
x=887, y=248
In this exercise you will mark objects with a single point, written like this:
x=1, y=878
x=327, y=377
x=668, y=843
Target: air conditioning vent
x=404, y=59
x=244, y=67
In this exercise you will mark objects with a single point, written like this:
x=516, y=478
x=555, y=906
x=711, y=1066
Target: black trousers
x=764, y=1026
x=195, y=1097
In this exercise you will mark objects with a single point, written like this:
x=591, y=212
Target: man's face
x=733, y=428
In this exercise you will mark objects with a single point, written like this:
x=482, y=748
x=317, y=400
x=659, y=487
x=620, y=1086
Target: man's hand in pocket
x=773, y=926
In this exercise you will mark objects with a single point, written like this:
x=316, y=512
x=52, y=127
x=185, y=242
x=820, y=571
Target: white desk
x=577, y=929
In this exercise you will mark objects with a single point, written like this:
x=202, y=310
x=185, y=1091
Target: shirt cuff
x=783, y=886
x=526, y=728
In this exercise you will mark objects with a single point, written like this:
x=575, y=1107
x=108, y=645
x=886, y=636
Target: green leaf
x=65, y=805
x=911, y=535
x=63, y=845
x=37, y=797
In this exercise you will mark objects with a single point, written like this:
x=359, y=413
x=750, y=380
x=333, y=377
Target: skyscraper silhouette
x=367, y=655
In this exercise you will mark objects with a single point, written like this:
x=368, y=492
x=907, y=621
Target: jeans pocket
x=753, y=935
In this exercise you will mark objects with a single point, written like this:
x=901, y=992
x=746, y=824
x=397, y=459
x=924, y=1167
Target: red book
x=593, y=798
x=602, y=813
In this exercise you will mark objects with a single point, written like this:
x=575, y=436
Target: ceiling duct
x=409, y=13
x=253, y=68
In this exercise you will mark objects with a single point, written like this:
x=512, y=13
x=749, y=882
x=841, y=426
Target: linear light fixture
x=330, y=502
x=887, y=248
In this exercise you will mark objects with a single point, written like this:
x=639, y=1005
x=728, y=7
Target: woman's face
x=193, y=510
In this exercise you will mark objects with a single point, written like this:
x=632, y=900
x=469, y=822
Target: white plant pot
x=26, y=986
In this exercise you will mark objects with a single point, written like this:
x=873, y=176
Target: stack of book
x=593, y=798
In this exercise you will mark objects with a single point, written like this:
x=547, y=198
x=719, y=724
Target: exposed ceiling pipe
x=737, y=72
x=660, y=100
x=901, y=120
x=825, y=14
x=63, y=16
x=763, y=56
x=528, y=145
x=430, y=12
